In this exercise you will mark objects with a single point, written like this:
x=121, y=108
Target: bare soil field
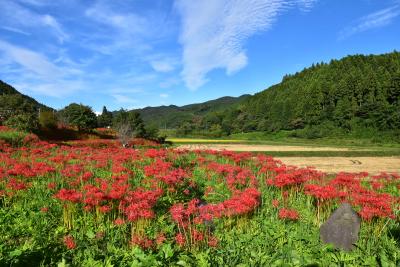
x=372, y=165
x=247, y=147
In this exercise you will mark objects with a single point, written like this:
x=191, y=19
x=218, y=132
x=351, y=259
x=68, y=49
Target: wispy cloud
x=374, y=20
x=21, y=19
x=120, y=30
x=214, y=32
x=164, y=95
x=123, y=99
x=163, y=65
x=169, y=82
x=31, y=61
x=15, y=30
x=35, y=72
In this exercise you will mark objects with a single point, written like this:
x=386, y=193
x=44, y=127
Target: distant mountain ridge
x=357, y=91
x=172, y=116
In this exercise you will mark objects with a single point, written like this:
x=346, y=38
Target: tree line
x=21, y=113
x=356, y=92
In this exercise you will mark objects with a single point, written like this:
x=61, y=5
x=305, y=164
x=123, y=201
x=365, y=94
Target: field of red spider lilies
x=94, y=203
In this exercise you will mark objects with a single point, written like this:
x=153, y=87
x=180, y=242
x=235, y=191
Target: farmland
x=94, y=203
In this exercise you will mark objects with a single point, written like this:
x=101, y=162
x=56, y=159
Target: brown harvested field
x=247, y=147
x=371, y=165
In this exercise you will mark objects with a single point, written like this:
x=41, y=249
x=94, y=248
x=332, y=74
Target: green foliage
x=14, y=138
x=13, y=103
x=48, y=119
x=131, y=123
x=356, y=91
x=79, y=116
x=340, y=96
x=23, y=122
x=32, y=236
x=151, y=131
x=174, y=117
x=105, y=119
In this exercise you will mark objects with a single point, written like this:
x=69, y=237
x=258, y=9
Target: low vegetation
x=94, y=203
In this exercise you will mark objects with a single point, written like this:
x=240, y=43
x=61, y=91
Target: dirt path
x=244, y=147
x=372, y=165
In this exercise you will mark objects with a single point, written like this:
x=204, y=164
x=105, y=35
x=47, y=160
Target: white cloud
x=169, y=82
x=34, y=72
x=214, y=31
x=123, y=99
x=375, y=20
x=53, y=23
x=118, y=30
x=164, y=95
x=12, y=29
x=31, y=61
x=163, y=65
x=15, y=16
x=57, y=89
x=129, y=22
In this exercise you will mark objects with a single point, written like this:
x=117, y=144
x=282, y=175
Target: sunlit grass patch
x=203, y=141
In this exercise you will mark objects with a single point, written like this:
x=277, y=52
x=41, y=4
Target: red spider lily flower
x=288, y=214
x=160, y=239
x=68, y=195
x=180, y=239
x=212, y=241
x=44, y=209
x=275, y=203
x=177, y=212
x=69, y=242
x=51, y=185
x=105, y=209
x=16, y=185
x=119, y=221
x=141, y=241
x=197, y=236
x=322, y=192
x=139, y=204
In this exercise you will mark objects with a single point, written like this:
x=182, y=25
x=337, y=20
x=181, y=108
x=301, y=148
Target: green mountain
x=356, y=92
x=13, y=102
x=173, y=116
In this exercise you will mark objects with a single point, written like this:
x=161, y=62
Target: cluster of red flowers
x=69, y=242
x=129, y=186
x=288, y=214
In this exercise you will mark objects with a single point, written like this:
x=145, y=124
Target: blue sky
x=137, y=53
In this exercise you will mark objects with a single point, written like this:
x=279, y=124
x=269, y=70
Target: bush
x=47, y=119
x=79, y=116
x=14, y=138
x=23, y=122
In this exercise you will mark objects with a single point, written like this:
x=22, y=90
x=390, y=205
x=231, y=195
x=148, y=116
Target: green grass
x=284, y=138
x=351, y=140
x=14, y=138
x=387, y=153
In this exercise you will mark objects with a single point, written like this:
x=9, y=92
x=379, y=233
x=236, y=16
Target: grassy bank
x=355, y=140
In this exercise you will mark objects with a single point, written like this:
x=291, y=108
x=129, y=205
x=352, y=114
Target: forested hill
x=354, y=91
x=11, y=99
x=173, y=116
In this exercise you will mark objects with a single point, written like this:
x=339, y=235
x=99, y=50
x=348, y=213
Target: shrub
x=14, y=138
x=79, y=116
x=47, y=119
x=23, y=122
